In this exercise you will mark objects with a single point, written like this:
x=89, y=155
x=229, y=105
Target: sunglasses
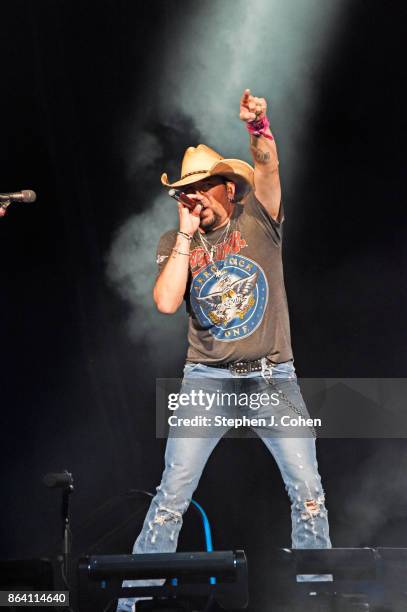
x=204, y=185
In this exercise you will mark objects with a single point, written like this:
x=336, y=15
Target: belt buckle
x=240, y=367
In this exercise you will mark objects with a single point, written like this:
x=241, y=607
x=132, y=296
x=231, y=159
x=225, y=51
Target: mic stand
x=63, y=480
x=66, y=535
x=64, y=559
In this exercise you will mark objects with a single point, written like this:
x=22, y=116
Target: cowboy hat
x=201, y=162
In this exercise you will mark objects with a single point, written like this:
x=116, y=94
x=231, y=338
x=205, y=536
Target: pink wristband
x=258, y=127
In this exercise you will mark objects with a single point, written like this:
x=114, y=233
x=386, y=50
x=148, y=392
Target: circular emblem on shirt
x=229, y=297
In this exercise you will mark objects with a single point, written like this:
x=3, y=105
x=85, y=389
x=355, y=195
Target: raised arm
x=267, y=187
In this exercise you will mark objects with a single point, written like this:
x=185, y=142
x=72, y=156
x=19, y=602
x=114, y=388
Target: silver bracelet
x=185, y=235
x=180, y=252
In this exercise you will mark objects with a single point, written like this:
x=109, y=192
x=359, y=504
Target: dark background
x=76, y=392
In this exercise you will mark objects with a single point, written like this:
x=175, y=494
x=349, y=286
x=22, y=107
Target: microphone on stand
x=62, y=480
x=26, y=195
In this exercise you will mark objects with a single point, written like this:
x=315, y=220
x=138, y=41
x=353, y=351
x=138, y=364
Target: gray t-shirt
x=236, y=303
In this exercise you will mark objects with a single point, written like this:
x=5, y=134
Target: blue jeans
x=186, y=457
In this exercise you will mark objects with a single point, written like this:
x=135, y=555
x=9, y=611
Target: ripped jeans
x=186, y=457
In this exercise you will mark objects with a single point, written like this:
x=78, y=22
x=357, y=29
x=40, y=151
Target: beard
x=208, y=221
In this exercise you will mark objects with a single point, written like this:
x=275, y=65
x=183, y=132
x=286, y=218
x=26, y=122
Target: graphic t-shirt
x=235, y=296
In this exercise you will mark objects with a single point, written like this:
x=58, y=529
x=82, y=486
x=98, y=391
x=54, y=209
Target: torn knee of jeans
x=165, y=515
x=312, y=508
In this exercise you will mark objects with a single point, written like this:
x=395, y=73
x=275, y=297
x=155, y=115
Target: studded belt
x=242, y=367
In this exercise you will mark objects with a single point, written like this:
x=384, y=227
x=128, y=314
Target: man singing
x=225, y=261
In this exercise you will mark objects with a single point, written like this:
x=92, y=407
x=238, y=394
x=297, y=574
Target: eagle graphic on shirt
x=229, y=299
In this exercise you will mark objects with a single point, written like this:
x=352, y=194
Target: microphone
x=26, y=195
x=58, y=480
x=182, y=197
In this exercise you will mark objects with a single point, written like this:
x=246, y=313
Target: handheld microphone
x=26, y=195
x=180, y=196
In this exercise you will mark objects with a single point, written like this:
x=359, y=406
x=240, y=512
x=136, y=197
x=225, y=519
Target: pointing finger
x=245, y=96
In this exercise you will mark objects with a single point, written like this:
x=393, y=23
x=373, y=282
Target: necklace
x=210, y=248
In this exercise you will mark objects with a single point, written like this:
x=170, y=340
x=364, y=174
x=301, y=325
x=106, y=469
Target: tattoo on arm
x=261, y=157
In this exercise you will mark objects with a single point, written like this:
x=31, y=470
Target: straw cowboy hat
x=201, y=162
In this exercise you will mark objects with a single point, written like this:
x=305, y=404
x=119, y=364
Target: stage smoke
x=274, y=48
